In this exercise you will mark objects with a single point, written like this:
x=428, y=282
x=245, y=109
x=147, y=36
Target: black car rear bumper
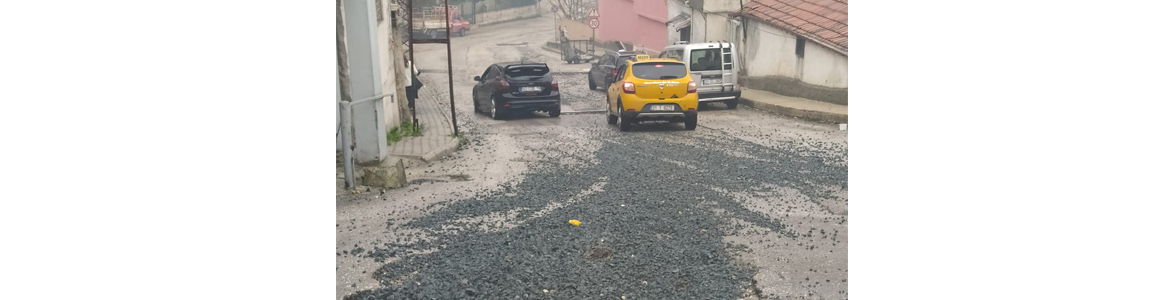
x=543, y=103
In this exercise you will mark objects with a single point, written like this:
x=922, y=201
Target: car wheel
x=623, y=123
x=554, y=113
x=591, y=85
x=462, y=32
x=733, y=103
x=692, y=121
x=496, y=112
x=476, y=105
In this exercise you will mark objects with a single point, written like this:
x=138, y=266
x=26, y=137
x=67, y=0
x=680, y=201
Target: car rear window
x=622, y=59
x=660, y=70
x=521, y=71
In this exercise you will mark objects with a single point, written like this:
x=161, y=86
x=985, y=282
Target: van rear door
x=713, y=68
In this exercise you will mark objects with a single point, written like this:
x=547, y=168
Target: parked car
x=607, y=65
x=713, y=67
x=652, y=89
x=516, y=86
x=432, y=23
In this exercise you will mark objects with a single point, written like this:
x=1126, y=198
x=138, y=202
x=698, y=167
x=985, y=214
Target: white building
x=371, y=67
x=790, y=47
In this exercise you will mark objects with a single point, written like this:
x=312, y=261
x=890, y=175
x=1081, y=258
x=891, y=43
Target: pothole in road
x=599, y=252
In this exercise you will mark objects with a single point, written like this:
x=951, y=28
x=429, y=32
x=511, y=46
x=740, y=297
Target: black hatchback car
x=606, y=67
x=505, y=87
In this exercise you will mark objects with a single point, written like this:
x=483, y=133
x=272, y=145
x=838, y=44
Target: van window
x=706, y=60
x=660, y=70
x=673, y=54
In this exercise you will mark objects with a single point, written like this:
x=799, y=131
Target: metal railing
x=347, y=138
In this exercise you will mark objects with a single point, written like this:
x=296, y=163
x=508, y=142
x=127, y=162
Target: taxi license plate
x=661, y=107
x=711, y=81
x=529, y=89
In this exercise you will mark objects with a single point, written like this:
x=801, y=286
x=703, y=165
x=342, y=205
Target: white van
x=713, y=66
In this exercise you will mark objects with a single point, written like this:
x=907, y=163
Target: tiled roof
x=824, y=21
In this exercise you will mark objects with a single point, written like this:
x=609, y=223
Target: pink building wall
x=641, y=22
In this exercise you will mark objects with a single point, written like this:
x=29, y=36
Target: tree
x=574, y=9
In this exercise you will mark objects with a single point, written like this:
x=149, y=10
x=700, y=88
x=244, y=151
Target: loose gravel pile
x=575, y=92
x=651, y=232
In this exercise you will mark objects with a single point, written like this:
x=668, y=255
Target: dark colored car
x=515, y=86
x=607, y=65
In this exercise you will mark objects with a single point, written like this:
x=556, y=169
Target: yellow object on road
x=575, y=222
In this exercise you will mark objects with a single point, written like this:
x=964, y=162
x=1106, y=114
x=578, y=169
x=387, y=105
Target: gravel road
x=749, y=206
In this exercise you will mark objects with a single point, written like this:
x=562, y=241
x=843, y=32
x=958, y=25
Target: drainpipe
x=347, y=140
x=742, y=20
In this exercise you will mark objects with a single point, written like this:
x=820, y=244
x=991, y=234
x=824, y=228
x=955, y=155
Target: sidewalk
x=436, y=141
x=795, y=107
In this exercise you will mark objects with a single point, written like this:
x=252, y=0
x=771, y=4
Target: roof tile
x=824, y=21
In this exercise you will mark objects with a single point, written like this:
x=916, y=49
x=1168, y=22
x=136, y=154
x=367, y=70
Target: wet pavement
x=748, y=206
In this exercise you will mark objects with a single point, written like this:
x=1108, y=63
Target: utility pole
x=447, y=40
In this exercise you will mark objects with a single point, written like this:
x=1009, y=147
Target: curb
x=813, y=115
x=582, y=112
x=441, y=152
x=550, y=49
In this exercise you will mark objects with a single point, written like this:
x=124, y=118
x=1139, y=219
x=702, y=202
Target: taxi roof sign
x=642, y=56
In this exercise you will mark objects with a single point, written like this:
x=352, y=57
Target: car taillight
x=628, y=87
x=614, y=73
x=691, y=87
x=555, y=85
x=502, y=84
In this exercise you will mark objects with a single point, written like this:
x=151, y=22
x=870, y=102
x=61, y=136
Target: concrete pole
x=347, y=139
x=365, y=79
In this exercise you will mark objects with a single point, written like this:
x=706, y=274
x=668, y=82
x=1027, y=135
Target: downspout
x=742, y=20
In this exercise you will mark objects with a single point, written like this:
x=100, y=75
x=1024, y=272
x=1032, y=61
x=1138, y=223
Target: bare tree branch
x=574, y=9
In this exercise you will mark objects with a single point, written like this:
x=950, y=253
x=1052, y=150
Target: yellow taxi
x=652, y=89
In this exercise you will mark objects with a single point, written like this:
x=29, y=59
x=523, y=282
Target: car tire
x=497, y=112
x=462, y=32
x=623, y=122
x=731, y=104
x=476, y=105
x=554, y=113
x=591, y=85
x=691, y=122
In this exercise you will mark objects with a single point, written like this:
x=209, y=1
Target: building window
x=684, y=34
x=800, y=47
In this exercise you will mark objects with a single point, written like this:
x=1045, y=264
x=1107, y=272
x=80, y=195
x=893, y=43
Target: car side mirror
x=478, y=79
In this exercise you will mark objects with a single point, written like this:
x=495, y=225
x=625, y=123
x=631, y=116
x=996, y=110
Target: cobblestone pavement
x=433, y=115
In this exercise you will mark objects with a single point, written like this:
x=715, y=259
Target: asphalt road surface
x=750, y=205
